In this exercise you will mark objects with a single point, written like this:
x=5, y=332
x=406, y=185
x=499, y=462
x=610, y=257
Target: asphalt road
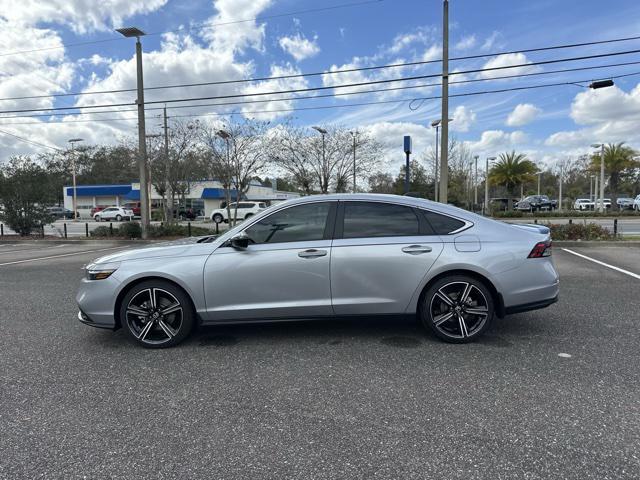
x=547, y=394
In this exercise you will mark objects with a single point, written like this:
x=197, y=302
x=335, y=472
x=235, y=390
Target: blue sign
x=407, y=144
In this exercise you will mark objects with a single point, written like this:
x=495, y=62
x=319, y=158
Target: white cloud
x=434, y=52
x=507, y=60
x=300, y=47
x=523, y=114
x=421, y=36
x=466, y=43
x=491, y=41
x=236, y=37
x=463, y=119
x=493, y=141
x=390, y=135
x=79, y=15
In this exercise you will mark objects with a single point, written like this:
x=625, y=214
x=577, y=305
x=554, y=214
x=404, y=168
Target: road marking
x=2, y=252
x=58, y=256
x=617, y=269
x=564, y=355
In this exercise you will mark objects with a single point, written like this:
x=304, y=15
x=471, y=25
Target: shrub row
x=133, y=230
x=580, y=231
x=564, y=214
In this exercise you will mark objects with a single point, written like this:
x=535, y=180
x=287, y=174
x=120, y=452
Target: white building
x=203, y=196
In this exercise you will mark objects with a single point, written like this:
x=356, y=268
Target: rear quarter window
x=442, y=224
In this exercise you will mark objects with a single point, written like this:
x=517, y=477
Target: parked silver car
x=323, y=256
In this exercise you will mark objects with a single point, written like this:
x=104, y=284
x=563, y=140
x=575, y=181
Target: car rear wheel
x=457, y=308
x=217, y=218
x=248, y=215
x=157, y=314
x=118, y=218
x=97, y=218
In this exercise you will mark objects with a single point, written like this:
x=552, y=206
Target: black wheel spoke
x=459, y=309
x=154, y=316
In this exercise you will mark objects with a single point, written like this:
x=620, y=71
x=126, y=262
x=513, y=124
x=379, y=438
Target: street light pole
x=539, y=175
x=444, y=144
x=475, y=183
x=601, y=195
x=130, y=32
x=73, y=168
x=486, y=185
x=323, y=132
x=354, y=135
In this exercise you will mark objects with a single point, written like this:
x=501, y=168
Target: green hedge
x=133, y=230
x=580, y=231
x=564, y=214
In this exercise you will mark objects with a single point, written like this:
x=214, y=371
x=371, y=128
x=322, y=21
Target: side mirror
x=240, y=241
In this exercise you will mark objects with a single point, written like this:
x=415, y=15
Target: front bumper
x=96, y=301
x=84, y=318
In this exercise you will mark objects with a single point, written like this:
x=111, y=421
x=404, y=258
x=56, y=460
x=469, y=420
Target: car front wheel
x=97, y=218
x=457, y=309
x=157, y=314
x=217, y=218
x=118, y=218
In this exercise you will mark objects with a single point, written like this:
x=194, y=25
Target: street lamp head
x=223, y=134
x=130, y=32
x=436, y=123
x=597, y=145
x=319, y=129
x=74, y=140
x=491, y=159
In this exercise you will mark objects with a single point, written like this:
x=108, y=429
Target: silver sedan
x=325, y=256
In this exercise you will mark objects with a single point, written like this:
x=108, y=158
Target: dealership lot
x=553, y=393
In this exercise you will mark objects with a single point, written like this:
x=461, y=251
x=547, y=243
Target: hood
x=177, y=248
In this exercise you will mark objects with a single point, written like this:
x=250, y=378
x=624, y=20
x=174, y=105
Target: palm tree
x=512, y=169
x=618, y=159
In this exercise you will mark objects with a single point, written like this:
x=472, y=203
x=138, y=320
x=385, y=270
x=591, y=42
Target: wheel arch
x=124, y=290
x=495, y=294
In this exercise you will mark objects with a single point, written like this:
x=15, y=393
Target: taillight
x=541, y=249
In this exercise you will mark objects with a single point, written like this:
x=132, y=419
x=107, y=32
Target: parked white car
x=636, y=204
x=114, y=213
x=583, y=204
x=245, y=210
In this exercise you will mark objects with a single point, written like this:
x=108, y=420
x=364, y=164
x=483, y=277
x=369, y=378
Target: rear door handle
x=416, y=249
x=312, y=253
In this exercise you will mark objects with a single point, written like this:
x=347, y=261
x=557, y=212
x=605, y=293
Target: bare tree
x=324, y=161
x=237, y=152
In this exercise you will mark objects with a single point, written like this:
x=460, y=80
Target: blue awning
x=216, y=194
x=99, y=190
x=133, y=195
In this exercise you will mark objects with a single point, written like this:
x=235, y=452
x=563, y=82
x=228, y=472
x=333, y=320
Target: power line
x=331, y=95
x=325, y=107
x=311, y=89
x=32, y=142
x=201, y=24
x=328, y=72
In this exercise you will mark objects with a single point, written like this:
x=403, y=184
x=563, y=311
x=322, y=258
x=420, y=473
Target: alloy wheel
x=459, y=310
x=154, y=316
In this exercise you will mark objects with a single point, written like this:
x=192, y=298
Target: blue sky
x=547, y=123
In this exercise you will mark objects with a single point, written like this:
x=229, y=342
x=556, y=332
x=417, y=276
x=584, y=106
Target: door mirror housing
x=240, y=241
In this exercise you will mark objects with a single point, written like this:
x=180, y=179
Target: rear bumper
x=525, y=307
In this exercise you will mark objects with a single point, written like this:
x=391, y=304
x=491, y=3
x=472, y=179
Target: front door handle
x=417, y=249
x=312, y=253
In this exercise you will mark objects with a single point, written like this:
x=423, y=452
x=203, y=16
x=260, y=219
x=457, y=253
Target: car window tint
x=443, y=224
x=303, y=223
x=373, y=219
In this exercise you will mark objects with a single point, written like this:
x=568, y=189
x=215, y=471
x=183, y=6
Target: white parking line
x=58, y=256
x=617, y=269
x=2, y=252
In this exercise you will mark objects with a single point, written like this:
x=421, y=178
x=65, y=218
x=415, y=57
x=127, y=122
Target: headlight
x=100, y=271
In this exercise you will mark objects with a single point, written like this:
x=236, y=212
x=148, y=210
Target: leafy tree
x=382, y=182
x=512, y=169
x=419, y=181
x=24, y=194
x=618, y=163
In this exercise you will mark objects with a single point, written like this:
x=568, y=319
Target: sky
x=55, y=47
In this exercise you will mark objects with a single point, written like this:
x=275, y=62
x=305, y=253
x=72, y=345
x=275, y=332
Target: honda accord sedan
x=326, y=256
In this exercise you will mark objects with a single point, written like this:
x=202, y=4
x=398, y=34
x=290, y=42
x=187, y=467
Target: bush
x=580, y=231
x=101, y=232
x=131, y=230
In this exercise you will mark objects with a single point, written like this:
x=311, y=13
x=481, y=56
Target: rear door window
x=377, y=219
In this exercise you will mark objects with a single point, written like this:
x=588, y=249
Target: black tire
x=248, y=215
x=217, y=218
x=97, y=218
x=118, y=218
x=165, y=330
x=443, y=318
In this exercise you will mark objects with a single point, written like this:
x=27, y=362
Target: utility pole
x=539, y=175
x=444, y=144
x=560, y=188
x=486, y=185
x=130, y=32
x=167, y=168
x=601, y=147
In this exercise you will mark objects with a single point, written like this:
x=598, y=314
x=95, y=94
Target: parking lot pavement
x=547, y=394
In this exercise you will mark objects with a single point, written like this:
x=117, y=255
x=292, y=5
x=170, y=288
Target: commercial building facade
x=202, y=196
